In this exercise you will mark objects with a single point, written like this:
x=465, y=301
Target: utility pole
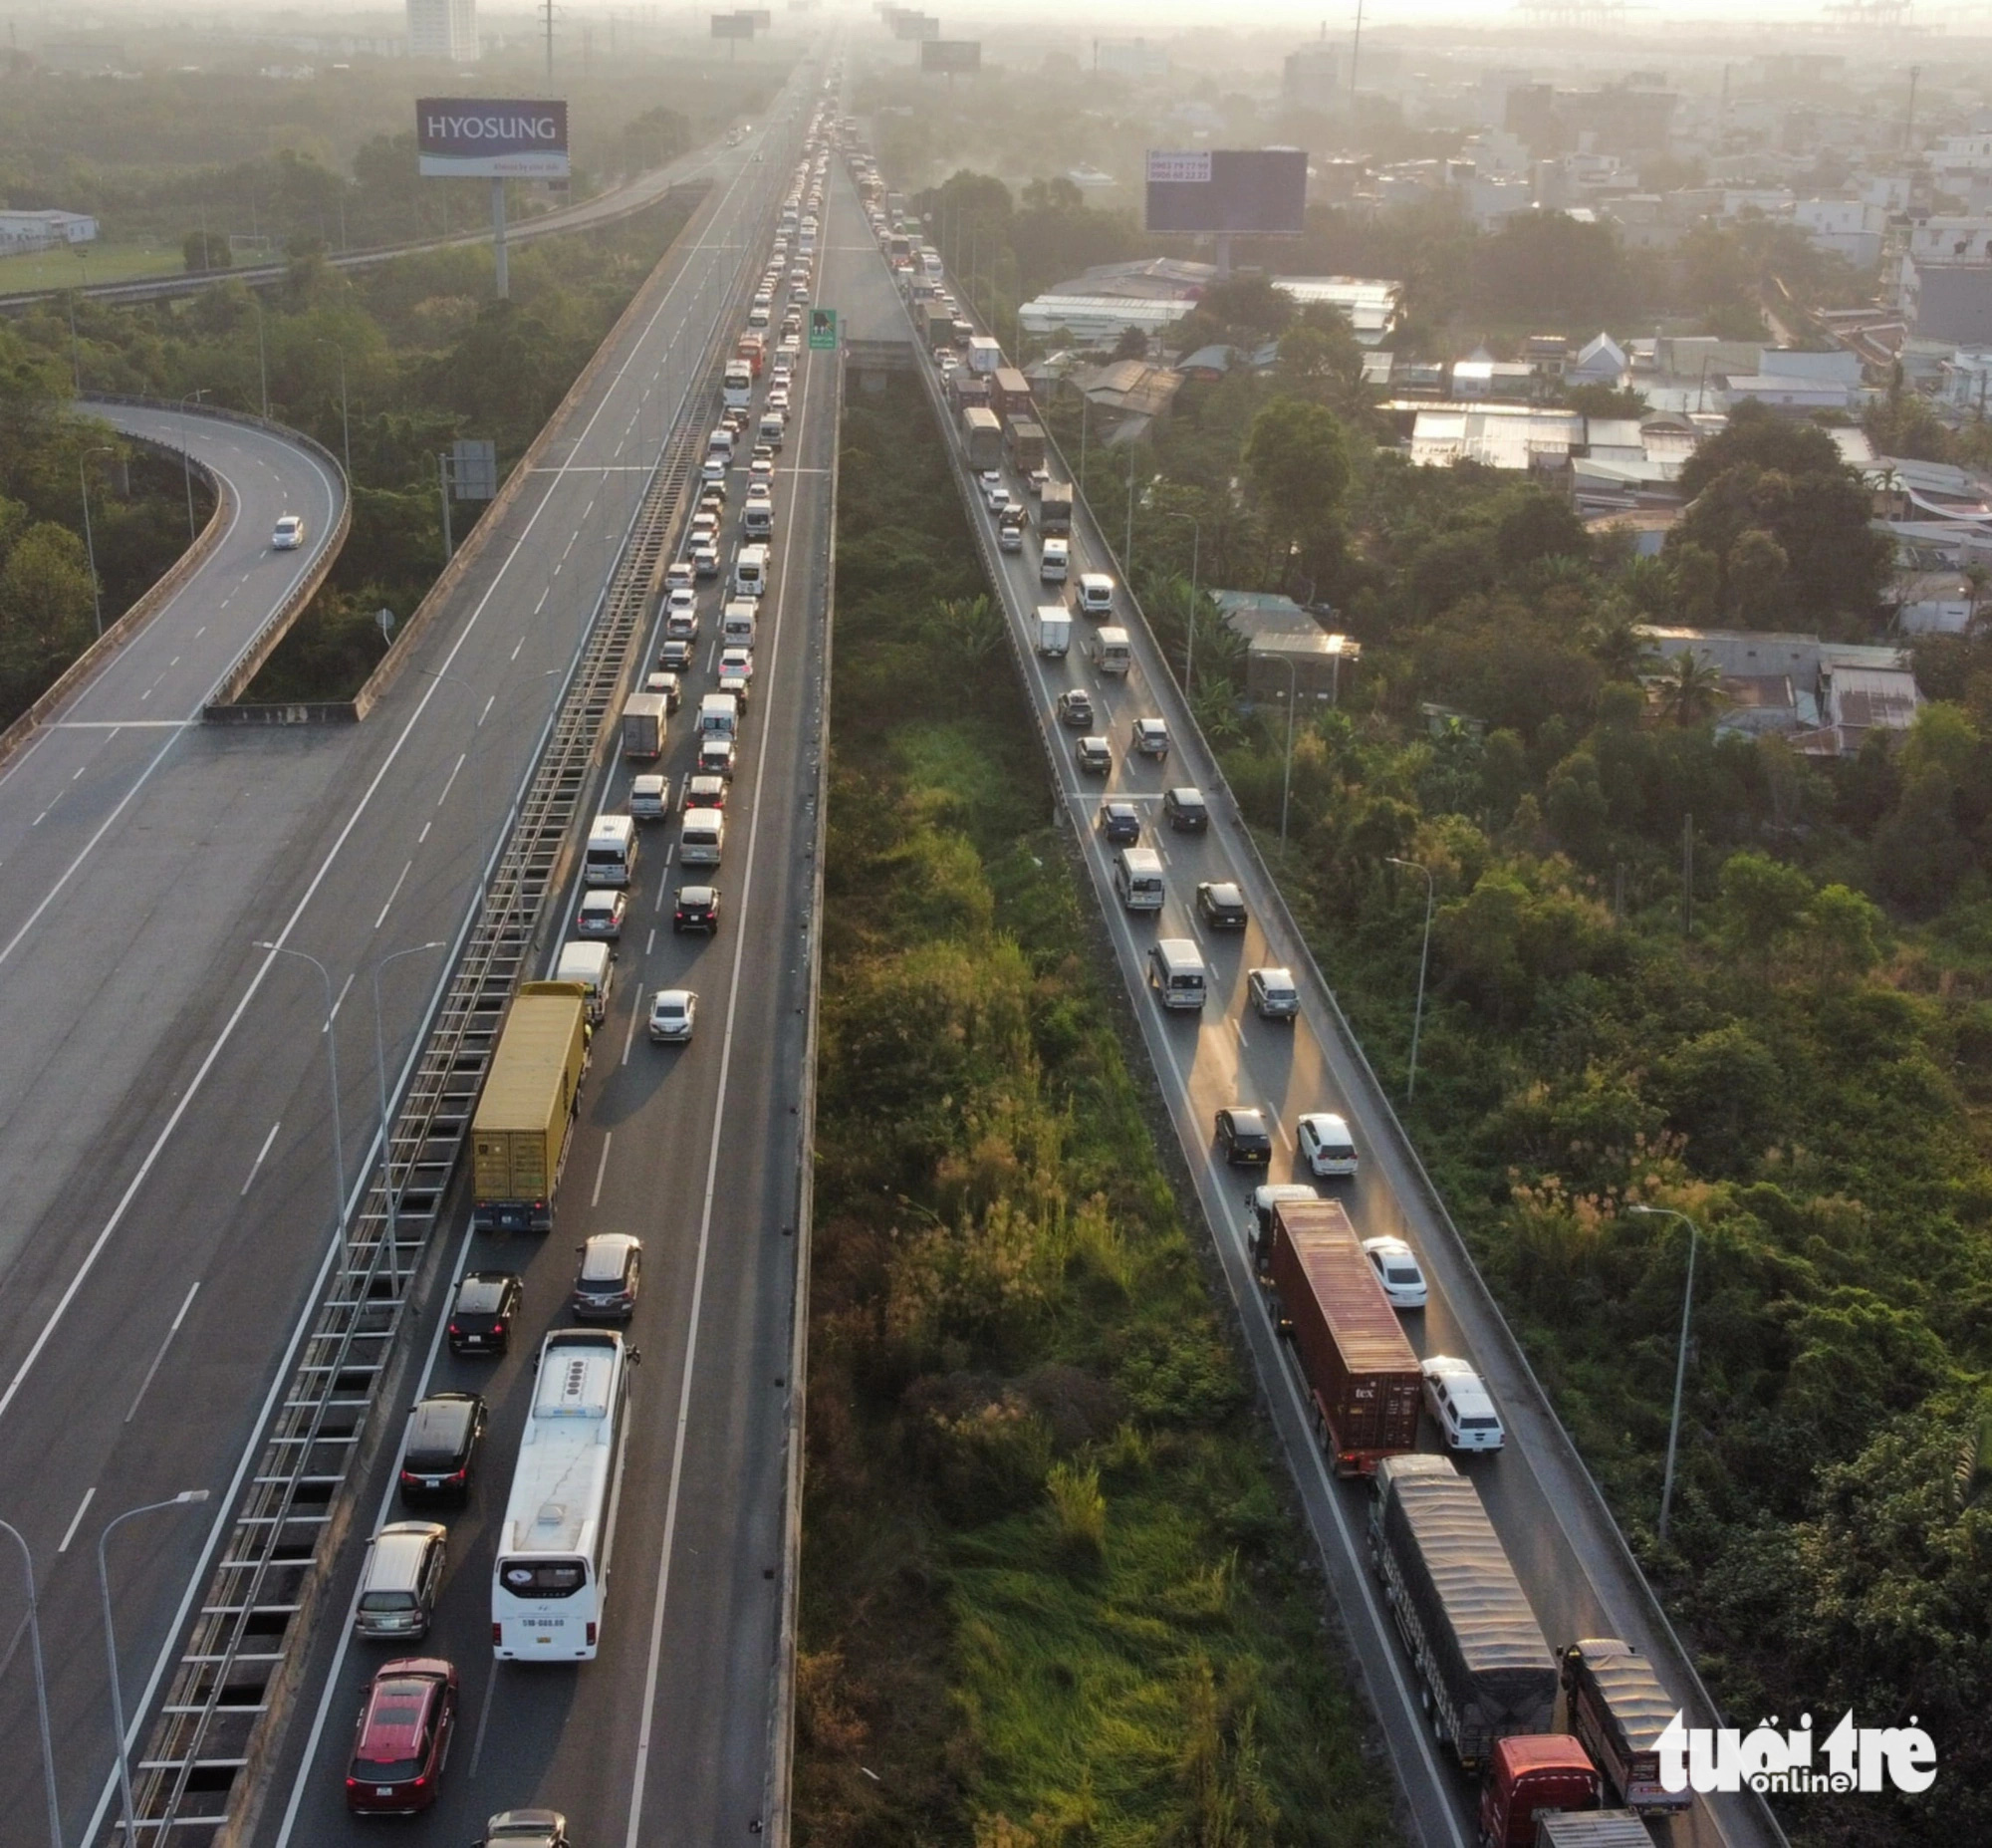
x=547, y=9
x=1910, y=121
x=1354, y=57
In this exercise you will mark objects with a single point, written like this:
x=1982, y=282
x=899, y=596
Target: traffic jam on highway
x=680, y=733
x=1552, y=1734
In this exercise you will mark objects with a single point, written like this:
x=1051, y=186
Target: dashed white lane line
x=76, y=1519
x=600, y=1168
x=391, y=896
x=260, y=1153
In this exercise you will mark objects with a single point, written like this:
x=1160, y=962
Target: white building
x=1849, y=228
x=1100, y=320
x=443, y=29
x=1371, y=305
x=25, y=231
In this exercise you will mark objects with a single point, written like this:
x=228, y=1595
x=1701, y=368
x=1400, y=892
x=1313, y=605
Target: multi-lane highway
x=1575, y=1570
x=667, y=1734
x=165, y=1227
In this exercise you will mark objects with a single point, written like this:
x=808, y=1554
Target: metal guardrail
x=238, y=1659
x=1681, y=1668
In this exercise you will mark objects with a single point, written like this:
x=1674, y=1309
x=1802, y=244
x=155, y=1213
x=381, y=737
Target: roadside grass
x=1053, y=1588
x=62, y=268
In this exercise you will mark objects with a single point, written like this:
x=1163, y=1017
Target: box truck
x=643, y=725
x=525, y=1116
x=983, y=437
x=1053, y=630
x=1618, y=1710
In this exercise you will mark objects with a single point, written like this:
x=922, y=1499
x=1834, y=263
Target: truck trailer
x=1475, y=1643
x=525, y=1116
x=1597, y=1828
x=1361, y=1373
x=644, y=716
x=1026, y=444
x=1055, y=510
x=983, y=437
x=1614, y=1704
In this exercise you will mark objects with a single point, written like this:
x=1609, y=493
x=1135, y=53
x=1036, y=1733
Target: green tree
x=205, y=251
x=1763, y=902
x=1758, y=579
x=1299, y=464
x=45, y=611
x=1690, y=691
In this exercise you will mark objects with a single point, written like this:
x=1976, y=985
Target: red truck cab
x=1527, y=1775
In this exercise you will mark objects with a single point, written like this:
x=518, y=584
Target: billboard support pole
x=498, y=240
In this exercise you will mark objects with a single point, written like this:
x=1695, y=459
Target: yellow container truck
x=525, y=1118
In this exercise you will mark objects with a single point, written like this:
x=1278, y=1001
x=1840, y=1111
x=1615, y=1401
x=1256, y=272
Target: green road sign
x=823, y=329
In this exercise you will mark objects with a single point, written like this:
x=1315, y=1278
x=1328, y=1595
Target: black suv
x=675, y=656
x=441, y=1447
x=1120, y=822
x=1221, y=904
x=480, y=1320
x=1185, y=810
x=1244, y=1138
x=1075, y=708
x=697, y=909
x=1092, y=754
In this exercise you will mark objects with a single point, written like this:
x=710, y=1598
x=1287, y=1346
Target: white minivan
x=611, y=857
x=1176, y=973
x=701, y=837
x=592, y=965
x=1138, y=877
x=750, y=570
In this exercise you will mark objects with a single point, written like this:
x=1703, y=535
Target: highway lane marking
x=425, y=835
x=483, y=1715
x=664, y=883
x=521, y=642
x=76, y=1519
x=39, y=819
x=208, y=1060
x=338, y=1004
x=118, y=724
x=651, y=942
x=1163, y=1044
x=78, y=771
x=608, y=1136
x=260, y=1153
x=486, y=713
x=642, y=1767
x=628, y=1040
x=162, y=1354
x=389, y=905
x=450, y=782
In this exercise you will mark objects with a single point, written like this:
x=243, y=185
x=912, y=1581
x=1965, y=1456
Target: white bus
x=547, y=1584
x=736, y=389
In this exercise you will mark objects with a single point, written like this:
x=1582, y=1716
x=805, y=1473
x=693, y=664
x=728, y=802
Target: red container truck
x=1531, y=1776
x=1361, y=1373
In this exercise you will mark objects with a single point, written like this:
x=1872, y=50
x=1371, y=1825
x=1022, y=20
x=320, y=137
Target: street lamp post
x=89, y=537
x=344, y=423
x=262, y=357
x=41, y=1684
x=187, y=455
x=1680, y=1360
x=331, y=1060
x=185, y=1497
x=1287, y=783
x=1424, y=959
x=381, y=1078
x=1195, y=554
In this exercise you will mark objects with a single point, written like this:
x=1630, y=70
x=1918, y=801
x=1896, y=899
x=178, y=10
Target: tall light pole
x=1287, y=783
x=184, y=1498
x=89, y=537
x=1195, y=552
x=1424, y=959
x=262, y=357
x=41, y=1684
x=331, y=1060
x=187, y=456
x=345, y=424
x=1680, y=1360
x=381, y=1078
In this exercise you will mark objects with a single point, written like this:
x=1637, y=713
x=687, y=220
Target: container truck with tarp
x=1616, y=1706
x=1361, y=1376
x=525, y=1116
x=1488, y=1673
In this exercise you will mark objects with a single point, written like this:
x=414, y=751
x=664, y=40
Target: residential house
x=1602, y=361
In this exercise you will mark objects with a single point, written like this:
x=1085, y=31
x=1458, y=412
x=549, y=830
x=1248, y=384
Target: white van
x=1176, y=972
x=773, y=427
x=750, y=570
x=1055, y=561
x=1095, y=594
x=719, y=717
x=593, y=966
x=1109, y=650
x=757, y=519
x=1138, y=877
x=611, y=859
x=736, y=625
x=720, y=443
x=701, y=837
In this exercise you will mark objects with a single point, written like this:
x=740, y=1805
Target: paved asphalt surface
x=665, y=1736
x=1561, y=1548
x=167, y=1138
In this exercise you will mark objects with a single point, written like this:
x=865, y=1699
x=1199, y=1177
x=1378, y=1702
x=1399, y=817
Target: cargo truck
x=1529, y=1776
x=643, y=725
x=1476, y=1646
x=939, y=324
x=1616, y=1708
x=1361, y=1376
x=525, y=1116
x=1009, y=393
x=1026, y=444
x=983, y=437
x=1053, y=630
x=1055, y=510
x=984, y=353
x=1602, y=1828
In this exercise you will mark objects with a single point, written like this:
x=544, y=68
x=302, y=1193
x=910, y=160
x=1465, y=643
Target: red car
x=402, y=1738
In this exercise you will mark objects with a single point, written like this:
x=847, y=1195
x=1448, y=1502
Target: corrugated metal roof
x=1464, y=1557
